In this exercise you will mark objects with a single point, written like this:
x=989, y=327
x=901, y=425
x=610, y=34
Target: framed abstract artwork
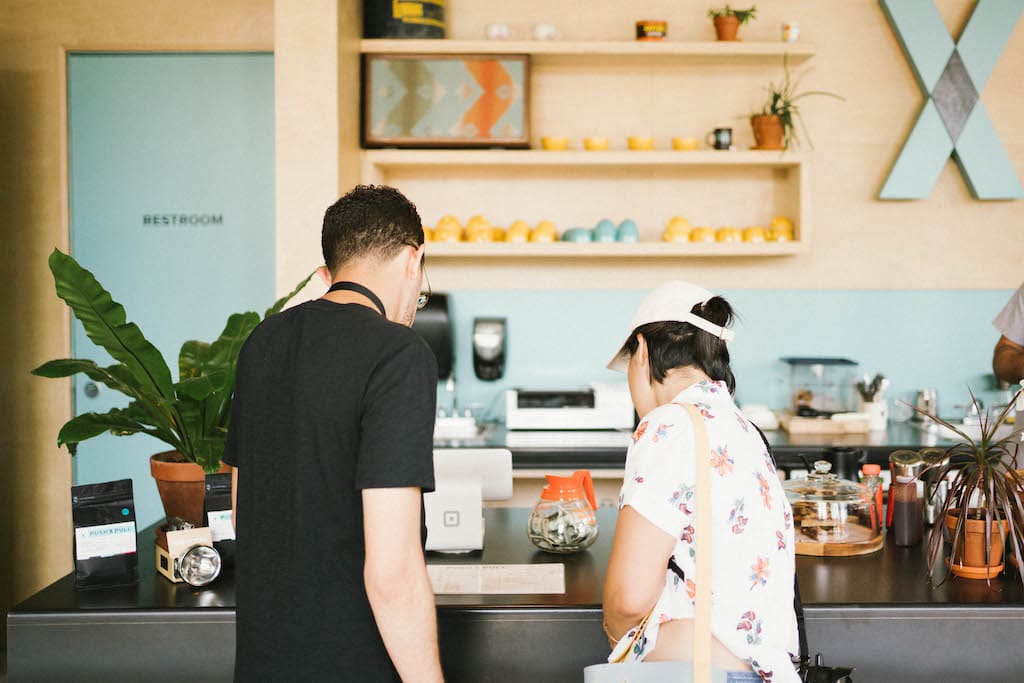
x=446, y=101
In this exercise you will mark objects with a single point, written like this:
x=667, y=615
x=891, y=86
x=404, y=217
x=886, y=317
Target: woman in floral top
x=676, y=354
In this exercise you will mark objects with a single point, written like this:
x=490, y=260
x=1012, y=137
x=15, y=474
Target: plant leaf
x=279, y=304
x=88, y=425
x=105, y=323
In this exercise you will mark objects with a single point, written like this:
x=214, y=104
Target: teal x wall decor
x=953, y=119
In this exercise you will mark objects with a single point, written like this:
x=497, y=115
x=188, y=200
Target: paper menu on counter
x=484, y=579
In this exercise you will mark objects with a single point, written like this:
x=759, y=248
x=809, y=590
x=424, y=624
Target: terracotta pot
x=968, y=559
x=181, y=485
x=768, y=131
x=727, y=27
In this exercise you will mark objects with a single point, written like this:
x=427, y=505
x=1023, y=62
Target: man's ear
x=325, y=275
x=413, y=260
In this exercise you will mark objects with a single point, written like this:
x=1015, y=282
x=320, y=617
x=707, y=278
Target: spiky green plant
x=782, y=102
x=191, y=415
x=984, y=471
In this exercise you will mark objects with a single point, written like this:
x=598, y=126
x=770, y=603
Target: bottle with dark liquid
x=907, y=513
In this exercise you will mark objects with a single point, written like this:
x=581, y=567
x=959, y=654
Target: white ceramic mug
x=877, y=412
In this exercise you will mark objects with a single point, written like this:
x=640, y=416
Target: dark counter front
x=877, y=612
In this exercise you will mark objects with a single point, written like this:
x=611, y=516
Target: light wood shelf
x=614, y=49
x=375, y=160
x=645, y=250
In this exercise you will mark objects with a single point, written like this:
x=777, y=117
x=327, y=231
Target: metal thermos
x=926, y=400
x=935, y=485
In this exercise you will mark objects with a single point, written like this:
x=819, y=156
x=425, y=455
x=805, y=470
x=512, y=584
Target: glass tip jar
x=564, y=519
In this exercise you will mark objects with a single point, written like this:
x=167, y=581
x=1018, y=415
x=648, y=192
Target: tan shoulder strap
x=702, y=601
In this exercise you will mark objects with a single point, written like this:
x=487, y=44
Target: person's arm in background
x=1008, y=361
x=397, y=584
x=636, y=572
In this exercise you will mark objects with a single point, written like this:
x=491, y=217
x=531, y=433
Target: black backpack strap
x=798, y=605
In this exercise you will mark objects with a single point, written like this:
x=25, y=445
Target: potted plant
x=983, y=505
x=727, y=20
x=190, y=415
x=775, y=125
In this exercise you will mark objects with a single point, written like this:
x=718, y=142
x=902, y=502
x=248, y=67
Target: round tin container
x=651, y=29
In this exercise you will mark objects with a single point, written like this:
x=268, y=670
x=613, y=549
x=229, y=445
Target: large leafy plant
x=782, y=102
x=985, y=484
x=191, y=415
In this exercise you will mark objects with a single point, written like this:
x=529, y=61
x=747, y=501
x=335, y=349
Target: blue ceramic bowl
x=628, y=231
x=604, y=231
x=577, y=235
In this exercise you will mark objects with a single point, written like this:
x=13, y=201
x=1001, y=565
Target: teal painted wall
x=939, y=339
x=165, y=135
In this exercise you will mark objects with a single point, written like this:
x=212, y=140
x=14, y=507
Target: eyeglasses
x=424, y=297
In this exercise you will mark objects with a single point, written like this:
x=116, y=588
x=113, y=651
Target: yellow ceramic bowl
x=519, y=231
x=701, y=234
x=428, y=234
x=675, y=233
x=498, y=234
x=684, y=144
x=554, y=143
x=678, y=222
x=595, y=144
x=640, y=143
x=447, y=233
x=754, y=233
x=545, y=231
x=727, y=234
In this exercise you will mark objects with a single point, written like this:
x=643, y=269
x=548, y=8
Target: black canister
x=405, y=19
x=846, y=462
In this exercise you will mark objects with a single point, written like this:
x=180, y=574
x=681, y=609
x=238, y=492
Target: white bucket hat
x=671, y=301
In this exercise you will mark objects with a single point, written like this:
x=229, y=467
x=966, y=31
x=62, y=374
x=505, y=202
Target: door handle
x=91, y=389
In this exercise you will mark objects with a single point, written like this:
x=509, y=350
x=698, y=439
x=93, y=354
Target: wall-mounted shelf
x=576, y=187
x=615, y=49
x=644, y=250
x=376, y=160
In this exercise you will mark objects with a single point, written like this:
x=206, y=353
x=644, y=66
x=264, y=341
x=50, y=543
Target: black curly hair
x=371, y=220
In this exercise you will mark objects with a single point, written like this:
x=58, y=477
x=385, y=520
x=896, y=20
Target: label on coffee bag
x=221, y=528
x=104, y=540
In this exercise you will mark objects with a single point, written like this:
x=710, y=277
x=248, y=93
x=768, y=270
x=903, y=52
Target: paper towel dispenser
x=434, y=325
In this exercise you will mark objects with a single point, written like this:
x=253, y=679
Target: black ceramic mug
x=719, y=138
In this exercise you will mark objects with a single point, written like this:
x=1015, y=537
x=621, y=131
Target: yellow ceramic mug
x=684, y=144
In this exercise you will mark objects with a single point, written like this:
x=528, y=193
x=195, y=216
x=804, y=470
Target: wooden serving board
x=819, y=425
x=869, y=545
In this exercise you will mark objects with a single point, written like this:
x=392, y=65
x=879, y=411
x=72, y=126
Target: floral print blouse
x=752, y=527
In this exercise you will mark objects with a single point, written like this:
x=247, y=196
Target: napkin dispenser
x=600, y=406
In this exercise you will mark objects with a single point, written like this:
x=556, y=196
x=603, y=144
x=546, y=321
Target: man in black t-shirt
x=331, y=445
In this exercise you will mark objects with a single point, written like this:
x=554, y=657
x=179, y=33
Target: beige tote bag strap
x=702, y=601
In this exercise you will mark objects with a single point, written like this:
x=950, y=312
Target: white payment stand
x=463, y=479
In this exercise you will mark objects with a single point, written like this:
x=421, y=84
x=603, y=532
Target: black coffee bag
x=105, y=534
x=217, y=513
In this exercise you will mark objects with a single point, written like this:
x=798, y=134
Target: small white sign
x=493, y=579
x=104, y=540
x=221, y=528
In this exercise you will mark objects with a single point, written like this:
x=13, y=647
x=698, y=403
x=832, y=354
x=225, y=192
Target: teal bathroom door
x=171, y=174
